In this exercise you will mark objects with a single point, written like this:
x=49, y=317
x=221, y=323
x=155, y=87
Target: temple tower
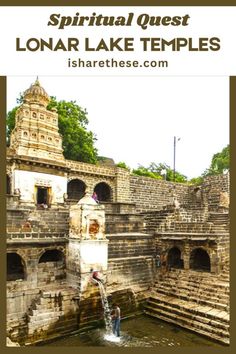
x=38, y=170
x=36, y=128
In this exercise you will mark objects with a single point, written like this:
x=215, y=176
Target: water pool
x=140, y=331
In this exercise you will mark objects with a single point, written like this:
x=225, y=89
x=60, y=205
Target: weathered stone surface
x=152, y=227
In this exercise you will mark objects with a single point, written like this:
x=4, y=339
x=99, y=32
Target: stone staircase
x=193, y=300
x=17, y=327
x=185, y=221
x=154, y=219
x=220, y=220
x=52, y=313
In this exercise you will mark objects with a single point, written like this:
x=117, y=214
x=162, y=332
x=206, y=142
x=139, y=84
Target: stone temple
x=161, y=247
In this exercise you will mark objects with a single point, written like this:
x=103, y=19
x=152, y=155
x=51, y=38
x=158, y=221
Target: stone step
x=189, y=306
x=50, y=306
x=43, y=309
x=199, y=322
x=192, y=275
x=195, y=326
x=194, y=299
x=192, y=286
x=194, y=282
x=191, y=291
x=45, y=316
x=53, y=326
x=204, y=314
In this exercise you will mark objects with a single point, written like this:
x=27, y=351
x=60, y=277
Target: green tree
x=123, y=165
x=196, y=180
x=145, y=171
x=10, y=123
x=160, y=171
x=220, y=162
x=77, y=141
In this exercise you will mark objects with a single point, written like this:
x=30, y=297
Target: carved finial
x=37, y=81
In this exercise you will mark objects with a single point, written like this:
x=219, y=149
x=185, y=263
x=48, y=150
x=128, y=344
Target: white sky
x=136, y=118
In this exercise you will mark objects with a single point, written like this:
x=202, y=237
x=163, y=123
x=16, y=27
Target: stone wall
x=217, y=189
x=149, y=194
x=130, y=245
x=186, y=248
x=32, y=224
x=122, y=185
x=35, y=274
x=130, y=262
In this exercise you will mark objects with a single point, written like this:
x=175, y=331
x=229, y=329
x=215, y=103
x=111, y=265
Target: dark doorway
x=8, y=185
x=76, y=189
x=200, y=260
x=42, y=195
x=51, y=256
x=15, y=267
x=174, y=258
x=103, y=191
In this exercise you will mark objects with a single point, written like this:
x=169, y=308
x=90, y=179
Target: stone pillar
x=186, y=257
x=214, y=260
x=88, y=246
x=122, y=185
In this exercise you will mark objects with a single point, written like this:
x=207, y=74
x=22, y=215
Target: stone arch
x=15, y=267
x=76, y=189
x=51, y=266
x=104, y=192
x=174, y=258
x=8, y=185
x=200, y=260
x=52, y=255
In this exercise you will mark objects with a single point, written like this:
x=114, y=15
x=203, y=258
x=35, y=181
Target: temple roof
x=36, y=94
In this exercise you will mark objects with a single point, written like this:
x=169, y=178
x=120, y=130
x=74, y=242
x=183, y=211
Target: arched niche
x=174, y=258
x=200, y=260
x=103, y=191
x=15, y=267
x=76, y=189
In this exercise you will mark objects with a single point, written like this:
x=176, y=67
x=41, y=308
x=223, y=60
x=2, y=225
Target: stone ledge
x=129, y=235
x=37, y=241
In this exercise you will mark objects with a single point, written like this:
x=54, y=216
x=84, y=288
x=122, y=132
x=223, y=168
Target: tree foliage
x=77, y=141
x=220, y=163
x=123, y=165
x=10, y=123
x=196, y=180
x=160, y=171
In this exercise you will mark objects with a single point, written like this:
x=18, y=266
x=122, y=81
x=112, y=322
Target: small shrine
x=88, y=246
x=87, y=220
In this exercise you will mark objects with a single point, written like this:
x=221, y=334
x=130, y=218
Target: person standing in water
x=116, y=320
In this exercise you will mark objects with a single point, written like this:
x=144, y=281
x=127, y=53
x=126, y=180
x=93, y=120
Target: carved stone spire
x=36, y=130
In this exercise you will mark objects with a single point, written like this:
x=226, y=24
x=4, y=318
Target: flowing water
x=106, y=308
x=140, y=331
